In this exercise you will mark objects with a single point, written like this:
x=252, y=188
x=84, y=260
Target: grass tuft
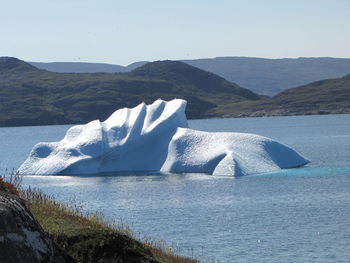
x=10, y=182
x=87, y=237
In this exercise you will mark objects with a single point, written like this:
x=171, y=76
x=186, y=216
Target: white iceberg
x=156, y=137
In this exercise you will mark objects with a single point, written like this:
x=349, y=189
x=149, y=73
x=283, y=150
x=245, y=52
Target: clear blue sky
x=122, y=32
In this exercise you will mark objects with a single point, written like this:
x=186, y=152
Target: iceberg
x=156, y=137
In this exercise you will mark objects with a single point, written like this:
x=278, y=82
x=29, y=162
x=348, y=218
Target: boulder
x=22, y=240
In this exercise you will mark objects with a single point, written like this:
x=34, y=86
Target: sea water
x=296, y=215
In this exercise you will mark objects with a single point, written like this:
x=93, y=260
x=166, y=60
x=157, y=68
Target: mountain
x=260, y=75
x=85, y=67
x=29, y=96
x=326, y=96
x=330, y=96
x=10, y=64
x=271, y=76
x=179, y=72
x=78, y=67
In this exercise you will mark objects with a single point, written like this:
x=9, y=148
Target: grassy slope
x=87, y=238
x=321, y=97
x=29, y=96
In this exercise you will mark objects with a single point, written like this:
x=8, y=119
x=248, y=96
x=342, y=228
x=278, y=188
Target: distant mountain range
x=83, y=67
x=330, y=96
x=260, y=75
x=30, y=96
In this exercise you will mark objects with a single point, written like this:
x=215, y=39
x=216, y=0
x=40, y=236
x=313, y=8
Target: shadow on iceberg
x=156, y=138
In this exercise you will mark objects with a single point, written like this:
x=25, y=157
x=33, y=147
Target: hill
x=330, y=96
x=84, y=67
x=9, y=64
x=260, y=75
x=29, y=96
x=36, y=228
x=271, y=76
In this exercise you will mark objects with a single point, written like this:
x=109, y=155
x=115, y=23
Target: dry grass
x=60, y=220
x=10, y=182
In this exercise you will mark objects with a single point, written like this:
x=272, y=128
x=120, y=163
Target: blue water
x=297, y=215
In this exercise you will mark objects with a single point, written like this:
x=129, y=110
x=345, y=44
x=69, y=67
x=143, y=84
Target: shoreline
x=66, y=233
x=257, y=114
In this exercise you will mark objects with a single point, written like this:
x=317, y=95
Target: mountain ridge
x=85, y=67
x=268, y=76
x=330, y=96
x=30, y=96
x=40, y=97
x=14, y=64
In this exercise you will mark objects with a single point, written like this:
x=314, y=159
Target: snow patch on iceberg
x=227, y=153
x=156, y=137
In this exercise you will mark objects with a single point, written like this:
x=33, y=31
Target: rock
x=21, y=237
x=105, y=247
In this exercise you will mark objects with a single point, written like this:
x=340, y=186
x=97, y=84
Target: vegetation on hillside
x=29, y=96
x=260, y=75
x=87, y=238
x=320, y=97
x=272, y=76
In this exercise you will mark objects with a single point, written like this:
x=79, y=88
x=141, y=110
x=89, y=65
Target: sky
x=123, y=32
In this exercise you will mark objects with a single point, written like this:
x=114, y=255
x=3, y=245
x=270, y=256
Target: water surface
x=297, y=215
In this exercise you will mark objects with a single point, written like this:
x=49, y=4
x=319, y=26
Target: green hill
x=29, y=96
x=272, y=76
x=260, y=75
x=330, y=96
x=14, y=65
